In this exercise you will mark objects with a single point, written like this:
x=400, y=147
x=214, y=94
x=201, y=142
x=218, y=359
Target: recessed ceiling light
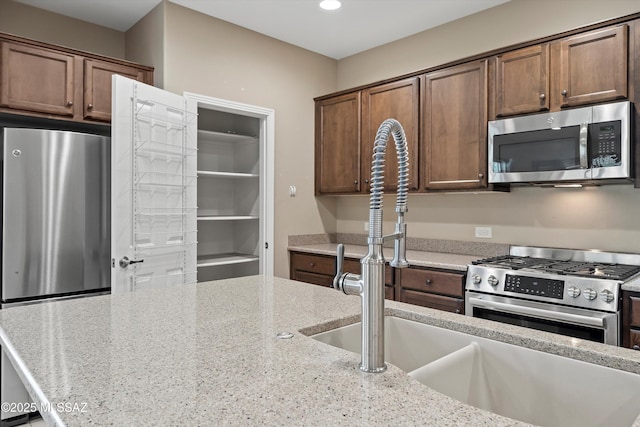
x=330, y=4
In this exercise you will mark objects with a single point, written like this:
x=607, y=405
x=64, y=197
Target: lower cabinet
x=631, y=320
x=321, y=269
x=439, y=289
x=442, y=290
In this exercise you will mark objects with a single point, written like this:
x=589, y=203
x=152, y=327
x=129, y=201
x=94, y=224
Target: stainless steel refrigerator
x=55, y=221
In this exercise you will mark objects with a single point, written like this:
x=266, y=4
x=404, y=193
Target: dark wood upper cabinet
x=398, y=100
x=337, y=147
x=97, y=86
x=454, y=117
x=593, y=67
x=522, y=81
x=37, y=79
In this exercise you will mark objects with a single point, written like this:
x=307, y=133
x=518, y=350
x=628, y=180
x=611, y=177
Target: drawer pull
x=636, y=347
x=428, y=282
x=312, y=264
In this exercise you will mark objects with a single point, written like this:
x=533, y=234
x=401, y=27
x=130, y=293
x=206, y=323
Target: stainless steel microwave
x=583, y=144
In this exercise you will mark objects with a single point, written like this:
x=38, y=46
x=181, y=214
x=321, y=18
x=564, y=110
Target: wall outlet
x=483, y=232
x=366, y=226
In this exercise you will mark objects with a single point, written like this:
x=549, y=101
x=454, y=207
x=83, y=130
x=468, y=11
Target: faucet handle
x=339, y=264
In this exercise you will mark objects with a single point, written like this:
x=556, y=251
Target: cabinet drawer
x=431, y=281
x=634, y=312
x=313, y=263
x=313, y=278
x=634, y=339
x=454, y=305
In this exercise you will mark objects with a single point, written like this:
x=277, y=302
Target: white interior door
x=153, y=187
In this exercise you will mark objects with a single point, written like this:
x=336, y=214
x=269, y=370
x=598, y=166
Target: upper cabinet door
x=153, y=187
x=337, y=150
x=455, y=127
x=37, y=79
x=400, y=101
x=97, y=86
x=593, y=67
x=522, y=81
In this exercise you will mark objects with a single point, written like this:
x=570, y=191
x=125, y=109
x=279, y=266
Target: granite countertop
x=445, y=261
x=445, y=254
x=208, y=354
x=633, y=285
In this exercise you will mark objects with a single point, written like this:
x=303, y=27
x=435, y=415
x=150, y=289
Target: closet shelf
x=212, y=136
x=225, y=259
x=212, y=174
x=226, y=217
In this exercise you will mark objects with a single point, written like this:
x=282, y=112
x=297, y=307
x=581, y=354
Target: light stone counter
x=446, y=261
x=207, y=354
x=633, y=285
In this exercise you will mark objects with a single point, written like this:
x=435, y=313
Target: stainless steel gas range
x=570, y=292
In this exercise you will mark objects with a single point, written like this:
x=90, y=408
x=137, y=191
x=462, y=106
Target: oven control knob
x=606, y=295
x=476, y=279
x=573, y=291
x=493, y=281
x=590, y=294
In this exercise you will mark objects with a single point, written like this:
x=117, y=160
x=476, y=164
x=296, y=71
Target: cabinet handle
x=636, y=347
x=69, y=103
x=480, y=175
x=428, y=282
x=564, y=92
x=90, y=107
x=457, y=311
x=542, y=96
x=366, y=181
x=355, y=182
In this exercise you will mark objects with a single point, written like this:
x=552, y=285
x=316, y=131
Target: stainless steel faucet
x=370, y=284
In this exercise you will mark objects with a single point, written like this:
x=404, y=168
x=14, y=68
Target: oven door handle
x=597, y=320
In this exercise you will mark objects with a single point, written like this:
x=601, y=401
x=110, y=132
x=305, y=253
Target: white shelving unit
x=229, y=195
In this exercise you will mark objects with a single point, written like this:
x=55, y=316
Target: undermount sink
x=516, y=382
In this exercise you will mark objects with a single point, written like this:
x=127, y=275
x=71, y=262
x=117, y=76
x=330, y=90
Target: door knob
x=125, y=262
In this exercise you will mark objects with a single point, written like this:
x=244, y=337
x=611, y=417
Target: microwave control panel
x=604, y=144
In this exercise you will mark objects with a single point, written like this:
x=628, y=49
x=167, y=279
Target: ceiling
x=359, y=25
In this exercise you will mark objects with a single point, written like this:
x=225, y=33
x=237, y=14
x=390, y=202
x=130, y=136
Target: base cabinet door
x=631, y=320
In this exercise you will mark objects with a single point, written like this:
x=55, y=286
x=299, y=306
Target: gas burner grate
x=563, y=267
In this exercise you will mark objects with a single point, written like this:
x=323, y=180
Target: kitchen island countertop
x=207, y=354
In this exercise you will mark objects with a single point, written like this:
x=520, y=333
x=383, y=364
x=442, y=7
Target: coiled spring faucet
x=370, y=284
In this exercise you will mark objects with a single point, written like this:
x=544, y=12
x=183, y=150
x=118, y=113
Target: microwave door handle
x=596, y=320
x=584, y=132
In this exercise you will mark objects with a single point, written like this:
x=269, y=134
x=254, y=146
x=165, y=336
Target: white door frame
x=267, y=131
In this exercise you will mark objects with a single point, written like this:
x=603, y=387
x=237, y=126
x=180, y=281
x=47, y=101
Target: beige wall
x=603, y=218
x=214, y=58
x=144, y=43
x=41, y=25
x=509, y=23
